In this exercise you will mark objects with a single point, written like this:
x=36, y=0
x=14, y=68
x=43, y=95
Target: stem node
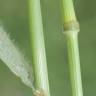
x=71, y=26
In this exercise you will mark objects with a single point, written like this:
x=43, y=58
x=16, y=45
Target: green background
x=14, y=17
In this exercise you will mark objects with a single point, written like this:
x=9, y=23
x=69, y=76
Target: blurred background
x=14, y=17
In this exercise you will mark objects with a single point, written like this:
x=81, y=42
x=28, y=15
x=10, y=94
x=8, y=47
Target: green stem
x=38, y=47
x=68, y=11
x=74, y=63
x=71, y=28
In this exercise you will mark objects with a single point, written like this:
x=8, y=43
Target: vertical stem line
x=38, y=47
x=71, y=28
x=74, y=63
x=68, y=11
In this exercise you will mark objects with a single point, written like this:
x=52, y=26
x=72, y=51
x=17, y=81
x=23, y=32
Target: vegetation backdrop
x=14, y=17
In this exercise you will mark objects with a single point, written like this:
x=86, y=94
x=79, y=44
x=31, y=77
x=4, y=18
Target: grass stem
x=38, y=47
x=71, y=30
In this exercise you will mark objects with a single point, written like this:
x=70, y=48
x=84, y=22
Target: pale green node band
x=71, y=26
x=68, y=11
